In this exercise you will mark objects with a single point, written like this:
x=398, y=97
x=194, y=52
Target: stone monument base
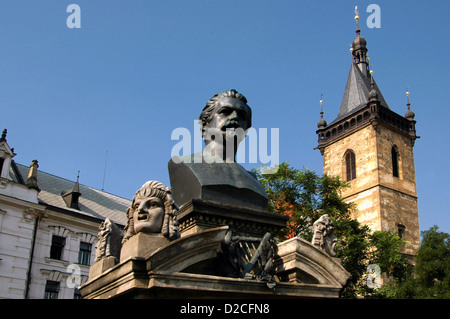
x=178, y=285
x=200, y=214
x=301, y=271
x=102, y=265
x=141, y=245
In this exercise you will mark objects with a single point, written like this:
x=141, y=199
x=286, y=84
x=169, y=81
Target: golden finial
x=322, y=123
x=407, y=96
x=356, y=13
x=321, y=105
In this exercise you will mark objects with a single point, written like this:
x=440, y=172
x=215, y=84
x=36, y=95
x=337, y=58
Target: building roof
x=356, y=93
x=93, y=203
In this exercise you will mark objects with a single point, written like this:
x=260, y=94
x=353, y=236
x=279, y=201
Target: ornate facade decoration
x=152, y=210
x=323, y=237
x=109, y=240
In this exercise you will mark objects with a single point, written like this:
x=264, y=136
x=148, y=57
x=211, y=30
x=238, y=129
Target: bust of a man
x=214, y=174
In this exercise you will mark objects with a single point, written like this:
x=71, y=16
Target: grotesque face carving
x=152, y=211
x=148, y=215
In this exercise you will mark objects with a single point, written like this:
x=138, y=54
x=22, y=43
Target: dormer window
x=71, y=198
x=2, y=160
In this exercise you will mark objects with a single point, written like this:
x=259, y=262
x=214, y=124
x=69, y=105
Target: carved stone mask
x=148, y=214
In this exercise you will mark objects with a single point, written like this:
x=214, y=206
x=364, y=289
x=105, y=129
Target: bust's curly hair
x=170, y=224
x=208, y=110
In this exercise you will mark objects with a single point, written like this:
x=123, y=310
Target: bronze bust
x=213, y=174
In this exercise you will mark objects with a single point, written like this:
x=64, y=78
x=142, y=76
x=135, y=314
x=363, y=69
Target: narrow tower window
x=401, y=230
x=350, y=165
x=395, y=162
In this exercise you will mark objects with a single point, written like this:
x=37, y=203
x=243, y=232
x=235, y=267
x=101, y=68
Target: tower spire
x=357, y=20
x=373, y=94
x=359, y=50
x=409, y=114
x=322, y=123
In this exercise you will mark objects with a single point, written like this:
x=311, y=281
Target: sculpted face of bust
x=148, y=214
x=227, y=127
x=230, y=113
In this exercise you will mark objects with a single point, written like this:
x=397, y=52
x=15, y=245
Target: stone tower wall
x=382, y=201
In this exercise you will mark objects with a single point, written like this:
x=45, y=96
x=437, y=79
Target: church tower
x=371, y=147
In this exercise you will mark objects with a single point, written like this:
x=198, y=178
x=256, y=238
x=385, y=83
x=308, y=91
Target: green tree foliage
x=304, y=196
x=387, y=254
x=431, y=275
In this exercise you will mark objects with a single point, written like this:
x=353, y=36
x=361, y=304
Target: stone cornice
x=372, y=114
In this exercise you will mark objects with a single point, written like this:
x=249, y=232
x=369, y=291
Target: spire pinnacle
x=407, y=97
x=322, y=123
x=76, y=187
x=409, y=114
x=357, y=20
x=3, y=138
x=373, y=95
x=359, y=50
x=321, y=104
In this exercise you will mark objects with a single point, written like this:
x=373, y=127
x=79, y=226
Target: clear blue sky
x=138, y=69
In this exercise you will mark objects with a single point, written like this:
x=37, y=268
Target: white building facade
x=48, y=230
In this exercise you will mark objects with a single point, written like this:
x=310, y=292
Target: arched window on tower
x=350, y=165
x=395, y=162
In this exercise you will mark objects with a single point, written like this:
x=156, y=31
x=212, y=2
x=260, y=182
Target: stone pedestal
x=193, y=177
x=301, y=271
x=298, y=261
x=101, y=266
x=199, y=214
x=141, y=245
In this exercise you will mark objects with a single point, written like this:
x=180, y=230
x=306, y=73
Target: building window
x=77, y=294
x=51, y=290
x=395, y=162
x=84, y=255
x=2, y=160
x=57, y=247
x=350, y=166
x=401, y=230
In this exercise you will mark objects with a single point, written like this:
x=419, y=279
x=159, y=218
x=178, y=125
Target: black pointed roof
x=356, y=93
